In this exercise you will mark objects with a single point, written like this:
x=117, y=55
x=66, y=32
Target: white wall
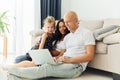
x=93, y=9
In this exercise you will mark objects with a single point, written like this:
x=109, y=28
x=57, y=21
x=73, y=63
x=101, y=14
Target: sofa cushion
x=34, y=40
x=36, y=32
x=112, y=39
x=119, y=30
x=101, y=48
x=103, y=32
x=110, y=21
x=91, y=24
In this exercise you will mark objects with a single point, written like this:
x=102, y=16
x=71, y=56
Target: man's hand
x=65, y=59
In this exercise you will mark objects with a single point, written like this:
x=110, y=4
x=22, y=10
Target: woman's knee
x=20, y=58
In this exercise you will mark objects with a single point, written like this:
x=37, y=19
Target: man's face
x=69, y=22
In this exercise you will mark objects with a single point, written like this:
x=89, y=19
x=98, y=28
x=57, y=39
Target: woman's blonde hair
x=49, y=19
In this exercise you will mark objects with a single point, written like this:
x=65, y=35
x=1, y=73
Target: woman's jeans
x=23, y=58
x=47, y=70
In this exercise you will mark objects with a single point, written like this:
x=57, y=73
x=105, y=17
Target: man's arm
x=88, y=56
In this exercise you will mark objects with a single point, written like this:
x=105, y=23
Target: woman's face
x=62, y=28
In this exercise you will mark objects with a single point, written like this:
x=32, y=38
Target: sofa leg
x=116, y=76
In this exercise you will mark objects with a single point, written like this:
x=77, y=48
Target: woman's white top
x=59, y=45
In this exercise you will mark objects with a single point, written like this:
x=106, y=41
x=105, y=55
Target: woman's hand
x=55, y=59
x=37, y=43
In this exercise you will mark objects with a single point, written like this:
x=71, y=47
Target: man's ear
x=76, y=21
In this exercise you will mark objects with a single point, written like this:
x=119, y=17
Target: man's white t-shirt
x=75, y=43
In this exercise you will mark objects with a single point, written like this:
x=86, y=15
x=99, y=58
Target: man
x=79, y=50
x=80, y=42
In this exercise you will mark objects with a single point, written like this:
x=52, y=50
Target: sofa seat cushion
x=112, y=39
x=91, y=24
x=101, y=48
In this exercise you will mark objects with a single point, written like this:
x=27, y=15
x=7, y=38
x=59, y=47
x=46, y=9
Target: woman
x=60, y=32
x=59, y=35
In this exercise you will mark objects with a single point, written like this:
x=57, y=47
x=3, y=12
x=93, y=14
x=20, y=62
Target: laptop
x=41, y=56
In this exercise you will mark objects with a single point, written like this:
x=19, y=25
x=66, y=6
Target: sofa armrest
x=114, y=58
x=35, y=36
x=36, y=32
x=109, y=61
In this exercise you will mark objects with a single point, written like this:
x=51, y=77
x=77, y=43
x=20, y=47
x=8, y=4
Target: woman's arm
x=55, y=52
x=42, y=43
x=60, y=53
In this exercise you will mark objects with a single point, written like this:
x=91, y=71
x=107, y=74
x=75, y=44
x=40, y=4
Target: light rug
x=3, y=74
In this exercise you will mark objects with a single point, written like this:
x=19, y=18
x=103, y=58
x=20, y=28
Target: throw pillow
x=103, y=32
x=119, y=30
x=112, y=39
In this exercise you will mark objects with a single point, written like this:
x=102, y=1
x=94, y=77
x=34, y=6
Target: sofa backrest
x=91, y=24
x=111, y=21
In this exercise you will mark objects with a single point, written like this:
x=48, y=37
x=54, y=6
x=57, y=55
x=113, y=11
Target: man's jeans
x=46, y=70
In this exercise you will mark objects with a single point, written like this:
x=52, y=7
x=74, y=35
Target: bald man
x=79, y=47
